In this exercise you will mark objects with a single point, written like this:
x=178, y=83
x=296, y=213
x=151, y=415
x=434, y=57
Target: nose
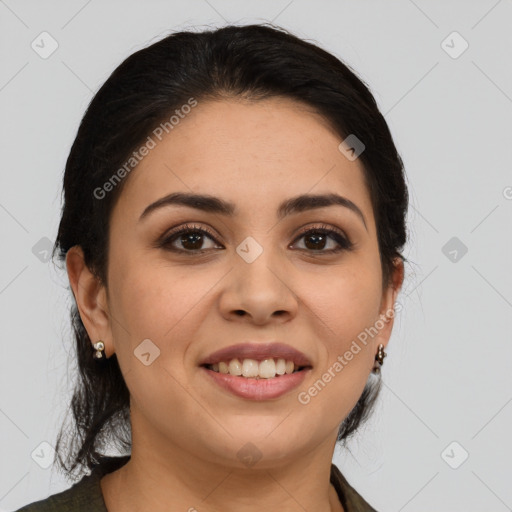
x=258, y=292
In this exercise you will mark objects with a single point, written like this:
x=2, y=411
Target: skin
x=186, y=430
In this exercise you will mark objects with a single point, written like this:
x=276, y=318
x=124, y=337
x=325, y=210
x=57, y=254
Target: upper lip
x=258, y=351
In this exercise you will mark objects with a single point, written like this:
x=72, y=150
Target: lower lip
x=258, y=389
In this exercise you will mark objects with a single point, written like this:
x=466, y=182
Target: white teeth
x=268, y=369
x=235, y=367
x=250, y=368
x=281, y=366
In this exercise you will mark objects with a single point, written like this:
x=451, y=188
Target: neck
x=161, y=479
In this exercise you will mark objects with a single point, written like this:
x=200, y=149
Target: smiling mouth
x=253, y=369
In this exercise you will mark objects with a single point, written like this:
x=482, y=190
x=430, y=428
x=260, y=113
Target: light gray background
x=448, y=371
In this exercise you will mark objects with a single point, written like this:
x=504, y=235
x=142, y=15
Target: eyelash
x=344, y=244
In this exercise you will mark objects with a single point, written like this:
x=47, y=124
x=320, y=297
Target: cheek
x=344, y=313
x=347, y=301
x=162, y=304
x=345, y=307
x=158, y=301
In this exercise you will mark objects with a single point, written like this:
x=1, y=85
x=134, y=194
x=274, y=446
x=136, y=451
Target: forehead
x=263, y=151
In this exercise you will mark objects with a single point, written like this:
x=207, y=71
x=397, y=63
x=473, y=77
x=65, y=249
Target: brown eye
x=316, y=240
x=192, y=240
x=188, y=239
x=324, y=240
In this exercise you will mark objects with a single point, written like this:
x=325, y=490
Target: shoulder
x=84, y=496
x=76, y=498
x=351, y=500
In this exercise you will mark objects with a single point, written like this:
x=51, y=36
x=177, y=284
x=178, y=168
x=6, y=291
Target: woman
x=234, y=211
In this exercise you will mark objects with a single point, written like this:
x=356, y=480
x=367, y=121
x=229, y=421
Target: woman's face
x=255, y=278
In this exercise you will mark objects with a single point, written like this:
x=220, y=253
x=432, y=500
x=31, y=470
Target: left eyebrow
x=311, y=201
x=212, y=204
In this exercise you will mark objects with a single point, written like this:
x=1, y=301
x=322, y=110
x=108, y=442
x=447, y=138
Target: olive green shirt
x=86, y=495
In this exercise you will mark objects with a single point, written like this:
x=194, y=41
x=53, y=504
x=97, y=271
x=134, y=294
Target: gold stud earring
x=379, y=359
x=100, y=350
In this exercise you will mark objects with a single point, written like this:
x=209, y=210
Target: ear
x=90, y=296
x=387, y=307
